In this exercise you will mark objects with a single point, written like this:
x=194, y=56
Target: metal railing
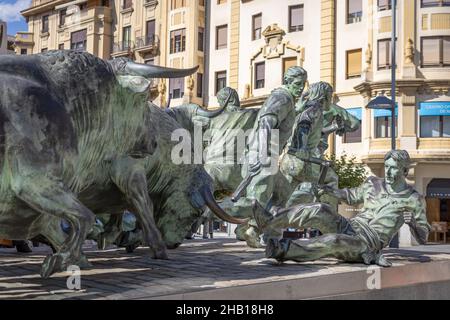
x=354, y=17
x=148, y=41
x=123, y=46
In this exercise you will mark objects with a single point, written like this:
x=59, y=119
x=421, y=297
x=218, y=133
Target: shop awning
x=356, y=112
x=439, y=188
x=438, y=108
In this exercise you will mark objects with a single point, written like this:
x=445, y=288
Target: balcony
x=354, y=17
x=150, y=3
x=127, y=7
x=24, y=38
x=123, y=49
x=147, y=44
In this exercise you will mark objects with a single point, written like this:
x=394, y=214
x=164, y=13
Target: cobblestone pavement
x=197, y=265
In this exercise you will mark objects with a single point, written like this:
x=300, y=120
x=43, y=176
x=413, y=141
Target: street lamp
x=383, y=102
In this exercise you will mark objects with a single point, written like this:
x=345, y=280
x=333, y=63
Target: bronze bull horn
x=155, y=72
x=209, y=114
x=217, y=210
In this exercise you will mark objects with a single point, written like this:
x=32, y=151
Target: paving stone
x=197, y=266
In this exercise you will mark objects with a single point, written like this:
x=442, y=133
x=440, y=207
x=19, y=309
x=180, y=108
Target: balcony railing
x=24, y=37
x=354, y=17
x=150, y=2
x=123, y=46
x=148, y=41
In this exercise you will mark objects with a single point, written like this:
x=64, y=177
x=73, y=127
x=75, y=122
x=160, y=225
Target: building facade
x=166, y=33
x=248, y=44
x=6, y=41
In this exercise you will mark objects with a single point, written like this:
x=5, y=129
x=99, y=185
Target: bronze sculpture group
x=80, y=140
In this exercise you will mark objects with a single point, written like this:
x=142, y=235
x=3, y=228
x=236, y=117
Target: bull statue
x=79, y=139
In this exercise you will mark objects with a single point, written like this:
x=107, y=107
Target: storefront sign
x=438, y=108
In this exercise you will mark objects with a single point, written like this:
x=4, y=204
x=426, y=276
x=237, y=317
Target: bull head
x=137, y=77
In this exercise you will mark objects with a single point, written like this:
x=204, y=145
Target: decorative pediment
x=273, y=31
x=275, y=47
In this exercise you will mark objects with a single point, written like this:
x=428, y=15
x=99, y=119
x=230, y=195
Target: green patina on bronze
x=387, y=204
x=78, y=138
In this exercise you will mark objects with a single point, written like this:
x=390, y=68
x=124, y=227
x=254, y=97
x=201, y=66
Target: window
x=354, y=11
x=221, y=80
x=44, y=50
x=384, y=5
x=435, y=126
x=435, y=119
x=221, y=37
x=45, y=24
x=177, y=4
x=23, y=51
x=199, y=85
x=83, y=6
x=355, y=136
x=296, y=18
x=126, y=38
x=176, y=88
x=384, y=54
x=435, y=51
x=151, y=30
x=78, y=40
x=434, y=3
x=260, y=70
x=256, y=26
x=354, y=64
x=105, y=3
x=62, y=17
x=126, y=4
x=287, y=63
x=201, y=37
x=61, y=46
x=383, y=127
x=177, y=41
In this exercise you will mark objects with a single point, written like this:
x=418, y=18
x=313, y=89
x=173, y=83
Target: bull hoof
x=52, y=264
x=159, y=253
x=252, y=238
x=84, y=263
x=58, y=263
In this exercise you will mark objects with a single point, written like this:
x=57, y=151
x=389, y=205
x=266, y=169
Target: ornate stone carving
x=368, y=61
x=409, y=51
x=274, y=36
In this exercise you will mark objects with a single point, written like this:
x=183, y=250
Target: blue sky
x=10, y=12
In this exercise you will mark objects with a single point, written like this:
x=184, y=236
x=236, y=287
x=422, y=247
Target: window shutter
x=289, y=62
x=354, y=63
x=446, y=50
x=79, y=36
x=354, y=6
x=430, y=51
x=222, y=35
x=297, y=16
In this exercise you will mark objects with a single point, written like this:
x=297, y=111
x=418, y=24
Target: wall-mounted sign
x=438, y=108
